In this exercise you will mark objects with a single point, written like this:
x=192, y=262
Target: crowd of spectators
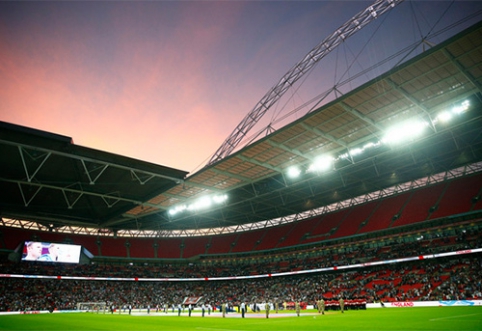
x=437, y=279
x=456, y=279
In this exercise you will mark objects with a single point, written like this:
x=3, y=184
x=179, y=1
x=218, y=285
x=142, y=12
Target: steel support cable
x=321, y=96
x=373, y=11
x=423, y=38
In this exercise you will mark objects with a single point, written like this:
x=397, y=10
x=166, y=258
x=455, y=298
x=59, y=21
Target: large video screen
x=51, y=252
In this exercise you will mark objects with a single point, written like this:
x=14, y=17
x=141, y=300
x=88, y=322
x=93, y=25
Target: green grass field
x=403, y=319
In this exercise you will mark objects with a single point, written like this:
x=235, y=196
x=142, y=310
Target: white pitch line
x=445, y=318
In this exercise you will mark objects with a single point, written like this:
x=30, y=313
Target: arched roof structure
x=46, y=178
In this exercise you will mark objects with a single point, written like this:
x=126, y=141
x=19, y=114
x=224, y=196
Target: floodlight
x=444, y=116
x=344, y=156
x=355, y=151
x=460, y=109
x=321, y=163
x=294, y=172
x=201, y=203
x=220, y=198
x=177, y=209
x=447, y=115
x=405, y=131
x=371, y=144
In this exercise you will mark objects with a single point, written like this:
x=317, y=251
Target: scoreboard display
x=51, y=252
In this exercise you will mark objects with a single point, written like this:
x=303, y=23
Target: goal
x=92, y=307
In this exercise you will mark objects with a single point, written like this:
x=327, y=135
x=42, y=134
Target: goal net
x=92, y=307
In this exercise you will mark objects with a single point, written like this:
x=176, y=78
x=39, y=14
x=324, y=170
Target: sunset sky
x=162, y=81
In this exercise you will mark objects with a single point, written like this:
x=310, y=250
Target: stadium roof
x=48, y=179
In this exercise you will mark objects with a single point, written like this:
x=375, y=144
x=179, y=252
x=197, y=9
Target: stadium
x=363, y=211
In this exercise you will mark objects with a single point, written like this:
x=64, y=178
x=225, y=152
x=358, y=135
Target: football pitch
x=399, y=319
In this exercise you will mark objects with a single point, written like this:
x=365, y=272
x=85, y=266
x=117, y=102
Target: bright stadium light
x=322, y=163
x=461, y=108
x=199, y=204
x=355, y=151
x=371, y=145
x=405, y=131
x=177, y=209
x=344, y=156
x=444, y=117
x=358, y=150
x=398, y=134
x=448, y=114
x=220, y=198
x=294, y=172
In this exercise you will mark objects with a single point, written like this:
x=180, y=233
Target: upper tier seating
x=454, y=197
x=246, y=241
x=353, y=222
x=169, y=248
x=194, y=246
x=222, y=244
x=273, y=236
x=418, y=206
x=386, y=210
x=458, y=198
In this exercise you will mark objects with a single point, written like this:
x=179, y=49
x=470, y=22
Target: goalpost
x=92, y=307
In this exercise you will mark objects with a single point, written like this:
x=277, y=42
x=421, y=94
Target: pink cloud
x=165, y=87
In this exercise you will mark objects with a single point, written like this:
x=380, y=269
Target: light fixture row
x=396, y=135
x=199, y=204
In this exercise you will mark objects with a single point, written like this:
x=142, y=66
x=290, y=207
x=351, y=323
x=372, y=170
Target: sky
x=168, y=81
